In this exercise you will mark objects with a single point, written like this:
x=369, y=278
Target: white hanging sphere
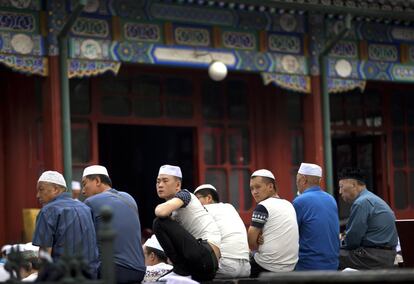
x=217, y=70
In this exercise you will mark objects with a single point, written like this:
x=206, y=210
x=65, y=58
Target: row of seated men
x=204, y=238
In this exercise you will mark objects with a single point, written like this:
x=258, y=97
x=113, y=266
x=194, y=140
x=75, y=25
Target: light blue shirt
x=127, y=245
x=66, y=226
x=371, y=223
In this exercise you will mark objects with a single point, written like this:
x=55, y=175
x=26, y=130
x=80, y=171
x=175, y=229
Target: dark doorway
x=357, y=152
x=133, y=155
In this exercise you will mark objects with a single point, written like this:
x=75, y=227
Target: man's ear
x=178, y=183
x=209, y=198
x=152, y=256
x=98, y=181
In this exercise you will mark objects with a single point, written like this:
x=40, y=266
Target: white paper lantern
x=217, y=71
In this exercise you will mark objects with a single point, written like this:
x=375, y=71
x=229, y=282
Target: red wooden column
x=272, y=137
x=52, y=133
x=19, y=145
x=313, y=118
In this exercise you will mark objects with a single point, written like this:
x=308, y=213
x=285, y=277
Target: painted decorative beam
x=355, y=8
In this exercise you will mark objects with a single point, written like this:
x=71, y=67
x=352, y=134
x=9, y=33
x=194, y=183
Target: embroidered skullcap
x=263, y=173
x=170, y=170
x=153, y=243
x=95, y=170
x=203, y=186
x=76, y=185
x=53, y=177
x=310, y=170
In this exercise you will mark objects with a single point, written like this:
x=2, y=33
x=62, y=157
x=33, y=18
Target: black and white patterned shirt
x=259, y=217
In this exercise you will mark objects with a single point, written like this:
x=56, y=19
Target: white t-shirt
x=233, y=232
x=195, y=218
x=156, y=271
x=280, y=249
x=4, y=274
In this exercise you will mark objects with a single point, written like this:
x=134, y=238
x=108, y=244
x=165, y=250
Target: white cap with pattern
x=310, y=170
x=95, y=170
x=263, y=173
x=203, y=186
x=170, y=170
x=52, y=177
x=76, y=185
x=153, y=243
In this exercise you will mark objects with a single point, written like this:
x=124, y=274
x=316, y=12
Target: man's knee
x=161, y=224
x=156, y=224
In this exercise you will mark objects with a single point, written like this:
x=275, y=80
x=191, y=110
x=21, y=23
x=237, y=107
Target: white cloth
x=279, y=252
x=156, y=271
x=172, y=278
x=196, y=220
x=31, y=278
x=233, y=268
x=234, y=246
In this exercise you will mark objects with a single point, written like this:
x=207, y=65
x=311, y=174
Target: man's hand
x=260, y=239
x=253, y=235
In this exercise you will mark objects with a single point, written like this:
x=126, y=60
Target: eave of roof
x=376, y=10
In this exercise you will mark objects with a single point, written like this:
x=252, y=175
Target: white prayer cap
x=6, y=249
x=95, y=170
x=170, y=170
x=263, y=173
x=153, y=243
x=53, y=177
x=30, y=246
x=310, y=170
x=76, y=185
x=203, y=186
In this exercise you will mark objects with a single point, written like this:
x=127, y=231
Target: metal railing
x=70, y=268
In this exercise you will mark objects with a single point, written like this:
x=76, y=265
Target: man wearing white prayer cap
x=128, y=253
x=63, y=225
x=317, y=216
x=76, y=189
x=273, y=231
x=155, y=260
x=234, y=260
x=185, y=230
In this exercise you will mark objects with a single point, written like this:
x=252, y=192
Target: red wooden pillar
x=313, y=118
x=272, y=138
x=20, y=156
x=52, y=131
x=282, y=148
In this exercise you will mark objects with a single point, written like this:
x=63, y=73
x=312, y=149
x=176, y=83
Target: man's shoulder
x=301, y=198
x=126, y=195
x=366, y=197
x=96, y=199
x=221, y=207
x=273, y=202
